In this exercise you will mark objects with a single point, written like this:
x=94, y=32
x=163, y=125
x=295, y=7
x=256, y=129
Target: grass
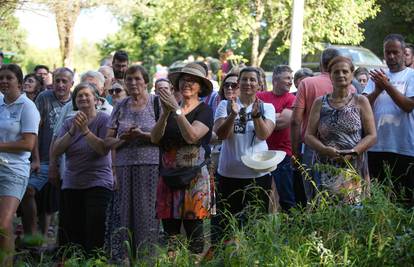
x=376, y=233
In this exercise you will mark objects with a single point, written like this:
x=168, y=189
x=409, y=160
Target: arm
x=311, y=130
x=111, y=141
x=26, y=143
x=60, y=144
x=158, y=131
x=368, y=125
x=96, y=143
x=283, y=119
x=193, y=132
x=224, y=127
x=382, y=83
x=35, y=164
x=295, y=129
x=263, y=127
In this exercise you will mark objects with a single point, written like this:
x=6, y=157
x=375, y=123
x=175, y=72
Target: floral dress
x=341, y=128
x=196, y=201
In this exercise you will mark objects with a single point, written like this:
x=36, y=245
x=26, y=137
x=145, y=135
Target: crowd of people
x=118, y=164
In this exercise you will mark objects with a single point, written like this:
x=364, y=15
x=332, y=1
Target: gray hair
x=96, y=75
x=107, y=68
x=63, y=70
x=279, y=69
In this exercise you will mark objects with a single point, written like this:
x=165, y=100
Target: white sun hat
x=264, y=161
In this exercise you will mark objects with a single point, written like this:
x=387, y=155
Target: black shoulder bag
x=181, y=177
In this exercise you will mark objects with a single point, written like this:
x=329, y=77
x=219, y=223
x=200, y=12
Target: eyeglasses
x=232, y=85
x=188, y=80
x=114, y=91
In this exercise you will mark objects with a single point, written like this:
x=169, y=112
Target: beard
x=118, y=74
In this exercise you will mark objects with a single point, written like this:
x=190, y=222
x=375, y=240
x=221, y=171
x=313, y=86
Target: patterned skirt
x=131, y=215
x=196, y=201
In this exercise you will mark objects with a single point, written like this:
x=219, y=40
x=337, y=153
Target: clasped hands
x=234, y=107
x=168, y=101
x=344, y=154
x=80, y=122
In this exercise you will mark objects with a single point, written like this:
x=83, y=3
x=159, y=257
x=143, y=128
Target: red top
x=279, y=140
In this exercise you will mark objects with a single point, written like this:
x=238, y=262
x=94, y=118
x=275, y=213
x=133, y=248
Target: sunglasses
x=114, y=91
x=232, y=85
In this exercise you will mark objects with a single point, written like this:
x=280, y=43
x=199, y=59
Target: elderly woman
x=136, y=165
x=341, y=129
x=117, y=93
x=181, y=131
x=243, y=124
x=87, y=181
x=32, y=85
x=19, y=123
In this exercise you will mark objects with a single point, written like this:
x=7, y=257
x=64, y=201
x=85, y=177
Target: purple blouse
x=84, y=167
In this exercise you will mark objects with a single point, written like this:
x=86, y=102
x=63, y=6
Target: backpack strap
x=157, y=108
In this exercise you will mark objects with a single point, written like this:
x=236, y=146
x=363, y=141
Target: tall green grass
x=377, y=232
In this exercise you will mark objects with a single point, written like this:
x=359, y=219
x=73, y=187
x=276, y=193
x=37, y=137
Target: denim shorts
x=12, y=184
x=38, y=180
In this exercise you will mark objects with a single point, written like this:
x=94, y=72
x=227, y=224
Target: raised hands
x=234, y=107
x=256, y=112
x=81, y=122
x=380, y=79
x=168, y=100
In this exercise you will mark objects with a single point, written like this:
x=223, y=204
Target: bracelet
x=85, y=134
x=71, y=135
x=258, y=115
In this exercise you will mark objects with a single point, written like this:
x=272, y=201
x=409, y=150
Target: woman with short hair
x=132, y=212
x=87, y=180
x=19, y=125
x=243, y=124
x=32, y=85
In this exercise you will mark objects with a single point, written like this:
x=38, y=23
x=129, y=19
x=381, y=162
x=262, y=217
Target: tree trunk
x=256, y=33
x=267, y=46
x=66, y=15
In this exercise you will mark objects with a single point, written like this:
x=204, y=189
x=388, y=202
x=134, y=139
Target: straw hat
x=264, y=161
x=196, y=70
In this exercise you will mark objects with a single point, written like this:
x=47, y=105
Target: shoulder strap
x=156, y=107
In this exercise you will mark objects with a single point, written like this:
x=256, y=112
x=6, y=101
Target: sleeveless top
x=340, y=128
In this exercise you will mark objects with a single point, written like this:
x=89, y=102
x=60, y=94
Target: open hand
x=81, y=122
x=234, y=107
x=168, y=100
x=256, y=108
x=380, y=79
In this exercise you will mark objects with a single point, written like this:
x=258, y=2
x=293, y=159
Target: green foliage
x=86, y=58
x=12, y=38
x=212, y=26
x=395, y=17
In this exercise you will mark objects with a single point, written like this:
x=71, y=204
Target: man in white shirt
x=391, y=94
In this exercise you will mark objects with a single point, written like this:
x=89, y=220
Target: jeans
x=283, y=176
x=307, y=184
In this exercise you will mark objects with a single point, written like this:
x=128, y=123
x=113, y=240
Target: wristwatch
x=178, y=112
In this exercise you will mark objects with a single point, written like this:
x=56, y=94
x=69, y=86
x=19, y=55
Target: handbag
x=181, y=177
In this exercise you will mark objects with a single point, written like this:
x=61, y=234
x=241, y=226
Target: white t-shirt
x=243, y=141
x=395, y=127
x=18, y=118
